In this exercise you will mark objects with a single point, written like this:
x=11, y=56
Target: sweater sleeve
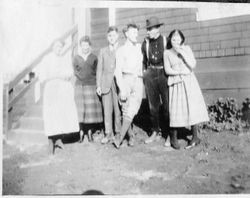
x=76, y=67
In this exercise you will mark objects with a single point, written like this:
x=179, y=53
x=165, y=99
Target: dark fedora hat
x=153, y=22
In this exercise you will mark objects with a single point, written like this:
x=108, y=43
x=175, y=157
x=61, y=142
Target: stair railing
x=28, y=76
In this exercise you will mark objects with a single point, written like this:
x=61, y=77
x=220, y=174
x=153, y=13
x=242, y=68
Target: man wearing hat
x=128, y=74
x=155, y=79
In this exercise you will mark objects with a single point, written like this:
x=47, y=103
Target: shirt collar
x=154, y=39
x=113, y=47
x=128, y=43
x=85, y=56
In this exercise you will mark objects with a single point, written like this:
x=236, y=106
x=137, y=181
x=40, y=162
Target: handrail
x=34, y=63
x=21, y=93
x=10, y=100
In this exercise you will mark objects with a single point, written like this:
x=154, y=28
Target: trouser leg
x=108, y=111
x=164, y=92
x=124, y=129
x=131, y=136
x=117, y=109
x=153, y=95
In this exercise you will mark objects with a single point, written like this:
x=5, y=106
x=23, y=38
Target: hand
x=123, y=97
x=179, y=49
x=184, y=72
x=99, y=91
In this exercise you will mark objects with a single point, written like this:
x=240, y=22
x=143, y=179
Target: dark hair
x=112, y=28
x=169, y=44
x=129, y=25
x=132, y=25
x=85, y=39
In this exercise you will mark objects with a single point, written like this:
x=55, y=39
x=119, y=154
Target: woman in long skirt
x=59, y=108
x=186, y=103
x=88, y=103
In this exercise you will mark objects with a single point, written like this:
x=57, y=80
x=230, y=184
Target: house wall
x=27, y=30
x=221, y=46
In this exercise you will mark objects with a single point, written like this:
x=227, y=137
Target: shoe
x=117, y=141
x=107, y=139
x=81, y=136
x=152, y=138
x=59, y=143
x=173, y=139
x=167, y=143
x=131, y=141
x=193, y=143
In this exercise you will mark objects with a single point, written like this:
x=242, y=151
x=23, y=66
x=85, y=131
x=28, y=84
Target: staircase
x=27, y=123
x=22, y=115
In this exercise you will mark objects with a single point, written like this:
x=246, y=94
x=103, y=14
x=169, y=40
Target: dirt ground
x=220, y=164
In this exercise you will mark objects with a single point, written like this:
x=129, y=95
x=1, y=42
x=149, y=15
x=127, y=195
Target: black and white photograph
x=125, y=98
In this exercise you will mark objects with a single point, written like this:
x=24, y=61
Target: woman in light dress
x=59, y=109
x=186, y=103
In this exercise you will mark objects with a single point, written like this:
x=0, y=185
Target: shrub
x=225, y=114
x=246, y=111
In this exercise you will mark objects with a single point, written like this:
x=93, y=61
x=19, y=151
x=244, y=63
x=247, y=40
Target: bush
x=225, y=114
x=246, y=111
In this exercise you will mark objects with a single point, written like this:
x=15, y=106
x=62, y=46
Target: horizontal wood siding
x=99, y=22
x=221, y=47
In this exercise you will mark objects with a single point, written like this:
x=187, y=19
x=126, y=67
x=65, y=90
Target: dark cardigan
x=85, y=71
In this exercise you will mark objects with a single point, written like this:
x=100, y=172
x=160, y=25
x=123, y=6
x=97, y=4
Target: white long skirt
x=59, y=108
x=186, y=103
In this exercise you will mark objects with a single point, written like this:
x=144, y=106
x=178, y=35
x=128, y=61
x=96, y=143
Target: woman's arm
x=76, y=67
x=167, y=66
x=186, y=54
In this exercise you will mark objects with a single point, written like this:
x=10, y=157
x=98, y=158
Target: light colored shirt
x=128, y=61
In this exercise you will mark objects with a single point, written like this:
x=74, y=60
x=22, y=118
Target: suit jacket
x=105, y=69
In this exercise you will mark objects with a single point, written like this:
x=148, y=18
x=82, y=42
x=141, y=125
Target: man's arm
x=144, y=54
x=99, y=73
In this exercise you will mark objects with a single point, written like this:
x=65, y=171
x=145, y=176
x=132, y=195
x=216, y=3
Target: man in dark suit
x=106, y=87
x=154, y=76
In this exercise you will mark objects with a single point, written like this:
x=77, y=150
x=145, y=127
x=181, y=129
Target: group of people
x=109, y=88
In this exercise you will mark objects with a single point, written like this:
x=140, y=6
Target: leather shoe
x=167, y=143
x=59, y=143
x=152, y=138
x=131, y=141
x=107, y=139
x=193, y=143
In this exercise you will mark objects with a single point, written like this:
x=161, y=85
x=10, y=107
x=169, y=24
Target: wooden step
x=29, y=123
x=26, y=138
x=35, y=111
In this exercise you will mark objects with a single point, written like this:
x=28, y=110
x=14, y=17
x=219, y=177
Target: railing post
x=5, y=109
